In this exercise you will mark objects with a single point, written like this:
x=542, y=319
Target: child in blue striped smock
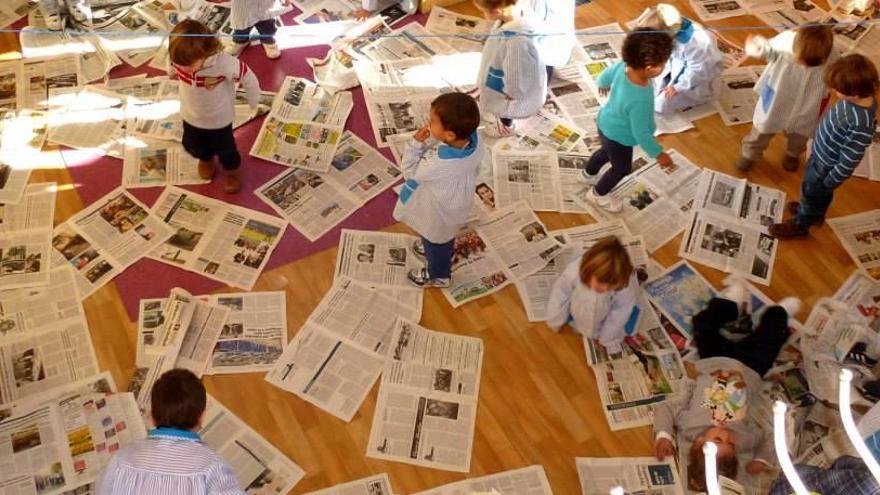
x=172, y=460
x=839, y=145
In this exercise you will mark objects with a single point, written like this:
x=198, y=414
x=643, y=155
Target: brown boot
x=206, y=169
x=232, y=180
x=792, y=208
x=786, y=229
x=791, y=163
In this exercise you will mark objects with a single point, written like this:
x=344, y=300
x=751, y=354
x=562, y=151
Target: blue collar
x=446, y=152
x=175, y=433
x=686, y=32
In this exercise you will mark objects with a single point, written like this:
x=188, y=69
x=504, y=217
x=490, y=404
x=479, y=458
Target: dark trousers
x=439, y=257
x=205, y=144
x=267, y=30
x=815, y=197
x=757, y=351
x=621, y=158
x=549, y=73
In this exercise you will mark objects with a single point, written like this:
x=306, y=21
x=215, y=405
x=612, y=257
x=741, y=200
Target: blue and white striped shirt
x=841, y=140
x=168, y=462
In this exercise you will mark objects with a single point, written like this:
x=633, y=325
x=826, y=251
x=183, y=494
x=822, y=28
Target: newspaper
x=860, y=236
x=42, y=78
x=531, y=480
x=259, y=467
x=21, y=142
x=462, y=32
x=427, y=406
x=713, y=10
x=25, y=234
x=634, y=474
x=314, y=204
x=477, y=270
x=680, y=293
x=870, y=165
x=92, y=265
x=14, y=10
x=372, y=485
x=531, y=176
x=254, y=335
x=133, y=37
x=93, y=119
x=733, y=54
x=216, y=239
x=336, y=357
x=791, y=14
x=546, y=131
x=737, y=98
x=159, y=164
x=377, y=258
x=38, y=460
x=95, y=61
x=571, y=167
x=739, y=198
x=396, y=118
x=336, y=71
x=575, y=102
x=598, y=48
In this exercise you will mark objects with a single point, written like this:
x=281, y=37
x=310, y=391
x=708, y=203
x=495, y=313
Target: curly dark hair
x=645, y=46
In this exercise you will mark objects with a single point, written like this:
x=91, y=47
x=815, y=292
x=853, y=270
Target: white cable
x=779, y=409
x=710, y=450
x=849, y=425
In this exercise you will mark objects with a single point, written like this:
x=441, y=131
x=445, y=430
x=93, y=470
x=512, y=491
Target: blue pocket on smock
x=495, y=79
x=631, y=325
x=409, y=187
x=767, y=94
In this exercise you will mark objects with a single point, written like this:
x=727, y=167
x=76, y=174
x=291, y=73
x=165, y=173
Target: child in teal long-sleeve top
x=627, y=119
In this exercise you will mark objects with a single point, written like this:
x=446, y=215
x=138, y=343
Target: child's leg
x=759, y=350
x=815, y=198
x=439, y=258
x=620, y=156
x=225, y=148
x=754, y=144
x=795, y=144
x=242, y=36
x=707, y=325
x=267, y=29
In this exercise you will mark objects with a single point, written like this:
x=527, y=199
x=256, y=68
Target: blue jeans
x=815, y=197
x=439, y=257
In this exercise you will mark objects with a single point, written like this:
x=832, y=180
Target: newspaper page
x=463, y=32
x=134, y=38
x=91, y=264
x=546, y=131
x=41, y=78
x=739, y=198
x=868, y=168
x=626, y=392
x=37, y=460
x=335, y=72
x=21, y=142
x=14, y=10
x=737, y=98
x=259, y=467
x=598, y=48
x=159, y=164
x=791, y=14
x=532, y=177
x=377, y=258
x=713, y=10
x=92, y=119
x=531, y=480
x=571, y=167
x=201, y=335
x=477, y=270
x=427, y=406
x=254, y=335
x=25, y=235
x=575, y=102
x=395, y=118
x=95, y=61
x=733, y=54
x=860, y=236
x=302, y=100
x=634, y=474
x=372, y=485
x=314, y=204
x=680, y=293
x=221, y=241
x=27, y=311
x=13, y=180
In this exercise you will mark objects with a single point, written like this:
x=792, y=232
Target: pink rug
x=96, y=176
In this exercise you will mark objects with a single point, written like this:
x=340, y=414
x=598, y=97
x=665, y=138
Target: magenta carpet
x=97, y=176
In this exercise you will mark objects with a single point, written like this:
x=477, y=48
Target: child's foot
x=589, y=179
x=787, y=229
x=792, y=208
x=420, y=278
x=859, y=355
x=272, y=51
x=235, y=49
x=206, y=169
x=232, y=181
x=791, y=163
x=607, y=203
x=791, y=305
x=735, y=290
x=744, y=163
x=418, y=248
x=870, y=390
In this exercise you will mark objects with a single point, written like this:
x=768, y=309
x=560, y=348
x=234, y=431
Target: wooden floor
x=538, y=402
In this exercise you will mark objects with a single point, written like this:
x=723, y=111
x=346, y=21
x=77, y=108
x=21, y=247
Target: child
x=791, y=91
x=847, y=475
x=628, y=117
x=207, y=95
x=172, y=459
x=691, y=75
x=369, y=6
x=839, y=145
x=440, y=178
x=512, y=76
x=597, y=294
x=555, y=18
x=245, y=15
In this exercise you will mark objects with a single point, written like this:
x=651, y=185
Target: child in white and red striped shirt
x=208, y=77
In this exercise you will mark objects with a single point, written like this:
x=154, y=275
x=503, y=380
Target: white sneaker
x=272, y=51
x=589, y=179
x=410, y=6
x=235, y=49
x=735, y=290
x=607, y=203
x=791, y=305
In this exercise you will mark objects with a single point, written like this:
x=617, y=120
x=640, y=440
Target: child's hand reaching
x=663, y=448
x=603, y=92
x=664, y=160
x=755, y=467
x=755, y=45
x=422, y=134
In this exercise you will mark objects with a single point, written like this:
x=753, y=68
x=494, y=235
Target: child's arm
x=603, y=81
x=413, y=152
x=665, y=414
x=852, y=150
x=611, y=329
x=220, y=480
x=559, y=304
x=249, y=82
x=639, y=118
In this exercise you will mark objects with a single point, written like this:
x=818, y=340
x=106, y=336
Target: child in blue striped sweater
x=839, y=144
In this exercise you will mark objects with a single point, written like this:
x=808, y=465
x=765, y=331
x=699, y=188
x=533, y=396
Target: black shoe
x=870, y=390
x=858, y=355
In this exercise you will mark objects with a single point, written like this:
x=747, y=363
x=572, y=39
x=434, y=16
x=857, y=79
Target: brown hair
x=727, y=466
x=812, y=45
x=645, y=46
x=458, y=113
x=178, y=400
x=495, y=4
x=853, y=75
x=192, y=41
x=609, y=262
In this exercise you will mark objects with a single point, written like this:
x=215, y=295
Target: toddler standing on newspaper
x=596, y=294
x=172, y=460
x=441, y=174
x=839, y=145
x=512, y=77
x=207, y=98
x=791, y=91
x=247, y=15
x=627, y=119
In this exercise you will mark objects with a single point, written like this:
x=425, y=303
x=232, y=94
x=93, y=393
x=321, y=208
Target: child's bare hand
x=604, y=91
x=663, y=448
x=755, y=467
x=755, y=46
x=664, y=160
x=361, y=14
x=422, y=134
x=669, y=91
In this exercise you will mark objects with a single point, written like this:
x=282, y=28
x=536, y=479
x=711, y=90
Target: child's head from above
x=853, y=77
x=812, y=45
x=646, y=50
x=725, y=460
x=606, y=266
x=661, y=17
x=495, y=9
x=192, y=45
x=178, y=400
x=454, y=117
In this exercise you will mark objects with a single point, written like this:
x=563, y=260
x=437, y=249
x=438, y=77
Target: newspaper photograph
x=218, y=240
x=462, y=32
x=92, y=266
x=737, y=97
x=860, y=236
x=259, y=467
x=254, y=335
x=377, y=258
x=680, y=293
x=371, y=485
x=739, y=198
x=393, y=117
x=531, y=176
x=531, y=480
x=37, y=459
x=627, y=391
x=634, y=474
x=427, y=406
x=25, y=235
x=477, y=271
x=159, y=164
x=42, y=78
x=598, y=48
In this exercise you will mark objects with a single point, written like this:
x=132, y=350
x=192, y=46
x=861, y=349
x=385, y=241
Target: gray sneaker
x=420, y=278
x=418, y=248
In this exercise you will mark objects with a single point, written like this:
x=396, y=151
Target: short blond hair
x=608, y=262
x=661, y=17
